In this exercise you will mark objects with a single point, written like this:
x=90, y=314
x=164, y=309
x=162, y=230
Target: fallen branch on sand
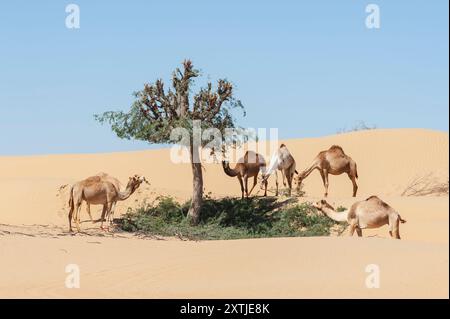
x=426, y=185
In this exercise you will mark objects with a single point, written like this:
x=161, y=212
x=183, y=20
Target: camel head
x=135, y=181
x=299, y=179
x=320, y=205
x=143, y=179
x=262, y=179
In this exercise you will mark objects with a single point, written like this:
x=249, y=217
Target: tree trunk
x=197, y=195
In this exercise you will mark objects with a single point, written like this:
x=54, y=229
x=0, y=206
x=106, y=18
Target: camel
x=107, y=178
x=281, y=160
x=335, y=162
x=248, y=166
x=96, y=191
x=369, y=213
x=117, y=184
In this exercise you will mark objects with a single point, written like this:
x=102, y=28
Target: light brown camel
x=369, y=213
x=246, y=167
x=107, y=178
x=96, y=191
x=118, y=185
x=335, y=162
x=281, y=160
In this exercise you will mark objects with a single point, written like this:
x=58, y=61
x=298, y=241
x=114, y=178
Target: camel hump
x=376, y=199
x=92, y=180
x=336, y=148
x=253, y=157
x=250, y=153
x=102, y=174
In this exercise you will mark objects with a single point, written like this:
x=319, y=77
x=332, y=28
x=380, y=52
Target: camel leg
x=255, y=181
x=397, y=229
x=75, y=213
x=77, y=216
x=276, y=183
x=265, y=188
x=355, y=186
x=325, y=175
x=70, y=217
x=103, y=216
x=108, y=211
x=324, y=181
x=394, y=227
x=352, y=229
x=74, y=216
x=246, y=185
x=242, y=185
x=108, y=216
x=359, y=231
x=88, y=209
x=391, y=227
x=111, y=214
x=289, y=180
x=282, y=176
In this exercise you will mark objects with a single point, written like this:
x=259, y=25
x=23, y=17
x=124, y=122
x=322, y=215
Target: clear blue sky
x=306, y=67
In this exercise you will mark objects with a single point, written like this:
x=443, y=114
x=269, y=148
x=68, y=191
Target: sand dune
x=294, y=267
x=263, y=268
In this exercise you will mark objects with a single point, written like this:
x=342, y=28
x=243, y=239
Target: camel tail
x=71, y=197
x=227, y=169
x=296, y=172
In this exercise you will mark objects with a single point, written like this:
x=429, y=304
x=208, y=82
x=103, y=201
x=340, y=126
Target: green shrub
x=228, y=218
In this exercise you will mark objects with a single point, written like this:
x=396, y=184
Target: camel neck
x=339, y=217
x=126, y=193
x=273, y=165
x=308, y=171
x=228, y=170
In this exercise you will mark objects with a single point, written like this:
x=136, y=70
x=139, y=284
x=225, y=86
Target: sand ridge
x=33, y=222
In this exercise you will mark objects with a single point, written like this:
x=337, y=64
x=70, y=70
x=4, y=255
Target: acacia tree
x=156, y=112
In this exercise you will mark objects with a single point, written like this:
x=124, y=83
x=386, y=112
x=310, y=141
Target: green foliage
x=159, y=115
x=157, y=111
x=228, y=218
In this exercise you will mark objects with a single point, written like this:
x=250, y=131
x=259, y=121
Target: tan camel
x=369, y=213
x=107, y=178
x=248, y=166
x=332, y=161
x=96, y=191
x=281, y=160
x=104, y=177
x=118, y=185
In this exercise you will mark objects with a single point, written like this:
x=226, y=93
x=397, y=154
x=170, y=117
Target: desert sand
x=35, y=246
